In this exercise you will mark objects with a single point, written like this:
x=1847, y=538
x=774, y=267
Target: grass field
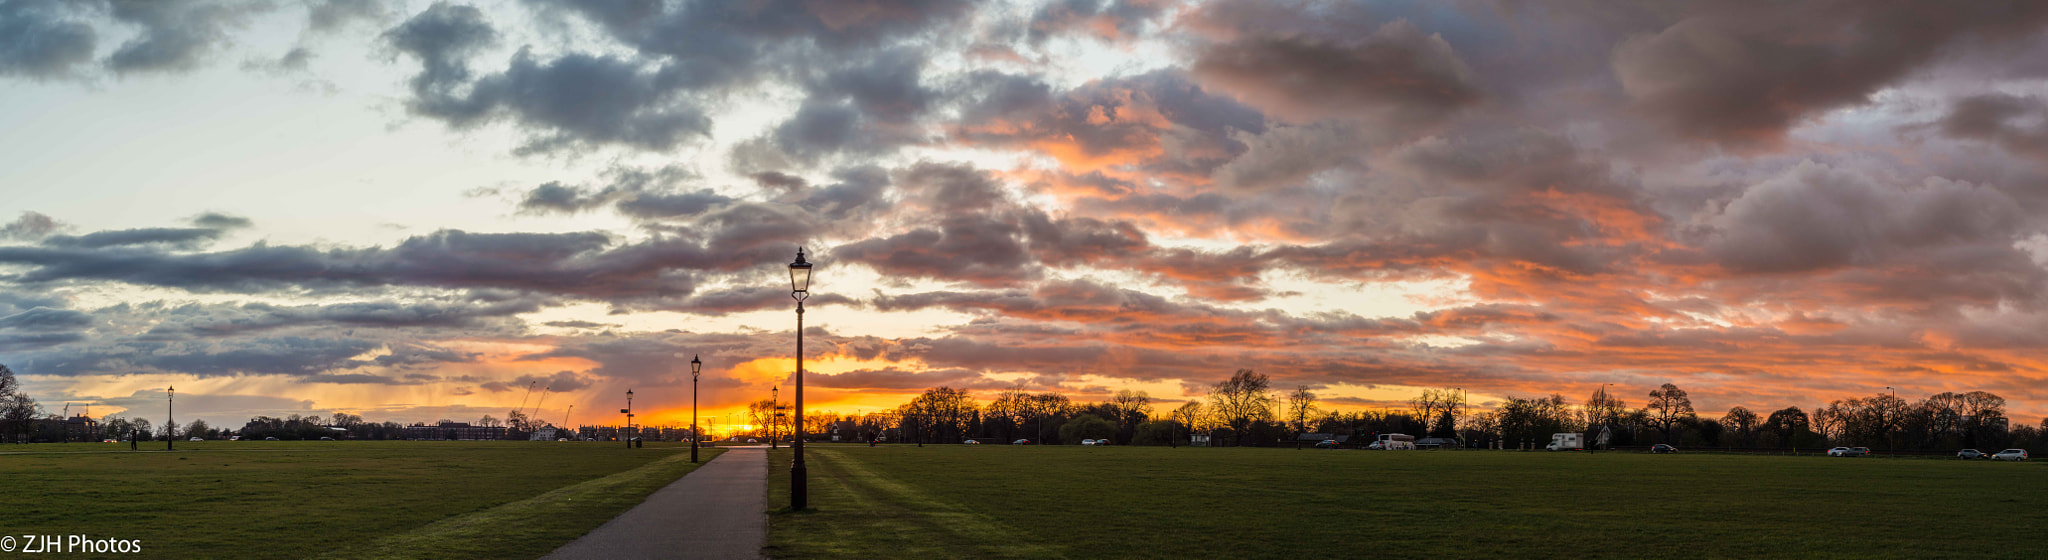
x=1120, y=502
x=393, y=499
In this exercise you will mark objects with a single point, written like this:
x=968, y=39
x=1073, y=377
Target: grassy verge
x=305, y=499
x=532, y=527
x=1048, y=502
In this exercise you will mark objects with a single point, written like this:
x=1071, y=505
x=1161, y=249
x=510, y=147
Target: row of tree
x=1245, y=409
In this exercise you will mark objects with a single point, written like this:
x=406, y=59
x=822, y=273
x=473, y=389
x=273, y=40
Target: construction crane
x=543, y=404
x=529, y=394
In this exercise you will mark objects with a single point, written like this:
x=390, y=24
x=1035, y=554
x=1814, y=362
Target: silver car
x=2010, y=455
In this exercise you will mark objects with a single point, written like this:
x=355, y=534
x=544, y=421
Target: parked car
x=1972, y=454
x=1021, y=442
x=1663, y=448
x=1377, y=446
x=1848, y=452
x=1326, y=444
x=1862, y=451
x=971, y=442
x=2010, y=455
x=196, y=439
x=1088, y=442
x=325, y=438
x=270, y=439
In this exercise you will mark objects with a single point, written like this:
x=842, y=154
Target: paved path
x=724, y=504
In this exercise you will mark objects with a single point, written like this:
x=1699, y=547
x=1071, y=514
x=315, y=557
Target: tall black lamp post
x=696, y=367
x=799, y=288
x=628, y=411
x=775, y=414
x=170, y=405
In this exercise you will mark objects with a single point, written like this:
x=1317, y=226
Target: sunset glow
x=416, y=211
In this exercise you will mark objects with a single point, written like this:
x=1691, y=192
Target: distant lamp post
x=696, y=368
x=170, y=431
x=628, y=411
x=775, y=414
x=799, y=289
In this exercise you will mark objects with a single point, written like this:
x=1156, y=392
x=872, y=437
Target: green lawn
x=394, y=499
x=1120, y=502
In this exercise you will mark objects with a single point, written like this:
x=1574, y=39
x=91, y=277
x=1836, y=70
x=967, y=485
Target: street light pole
x=170, y=405
x=628, y=411
x=799, y=289
x=696, y=367
x=774, y=413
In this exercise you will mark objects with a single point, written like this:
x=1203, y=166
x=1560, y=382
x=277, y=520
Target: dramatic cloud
x=1395, y=74
x=1766, y=203
x=1740, y=73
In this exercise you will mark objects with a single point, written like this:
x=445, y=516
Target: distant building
x=76, y=428
x=456, y=431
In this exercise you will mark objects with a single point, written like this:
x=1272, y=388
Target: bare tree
x=1602, y=409
x=489, y=422
x=1742, y=423
x=1190, y=416
x=1301, y=405
x=1433, y=403
x=1132, y=408
x=1669, y=407
x=1242, y=400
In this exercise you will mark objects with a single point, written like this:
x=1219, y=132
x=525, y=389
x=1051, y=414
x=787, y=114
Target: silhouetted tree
x=1241, y=400
x=1301, y=404
x=1669, y=408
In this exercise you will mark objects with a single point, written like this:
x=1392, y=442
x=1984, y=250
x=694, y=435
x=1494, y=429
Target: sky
x=415, y=211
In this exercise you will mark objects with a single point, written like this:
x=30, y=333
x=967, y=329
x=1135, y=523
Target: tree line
x=1245, y=409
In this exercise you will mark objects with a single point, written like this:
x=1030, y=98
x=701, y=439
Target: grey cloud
x=863, y=109
x=215, y=321
x=1396, y=74
x=44, y=319
x=652, y=193
x=962, y=248
x=1742, y=73
x=559, y=382
x=1817, y=217
x=183, y=238
x=1287, y=155
x=649, y=206
x=31, y=225
x=860, y=189
x=332, y=15
x=575, y=264
x=299, y=356
x=2001, y=119
x=18, y=342
x=1111, y=20
x=1159, y=121
x=443, y=37
x=295, y=60
x=44, y=39
x=888, y=379
x=176, y=36
x=217, y=220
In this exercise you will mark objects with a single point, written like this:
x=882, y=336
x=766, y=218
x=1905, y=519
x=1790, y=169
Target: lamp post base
x=797, y=488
